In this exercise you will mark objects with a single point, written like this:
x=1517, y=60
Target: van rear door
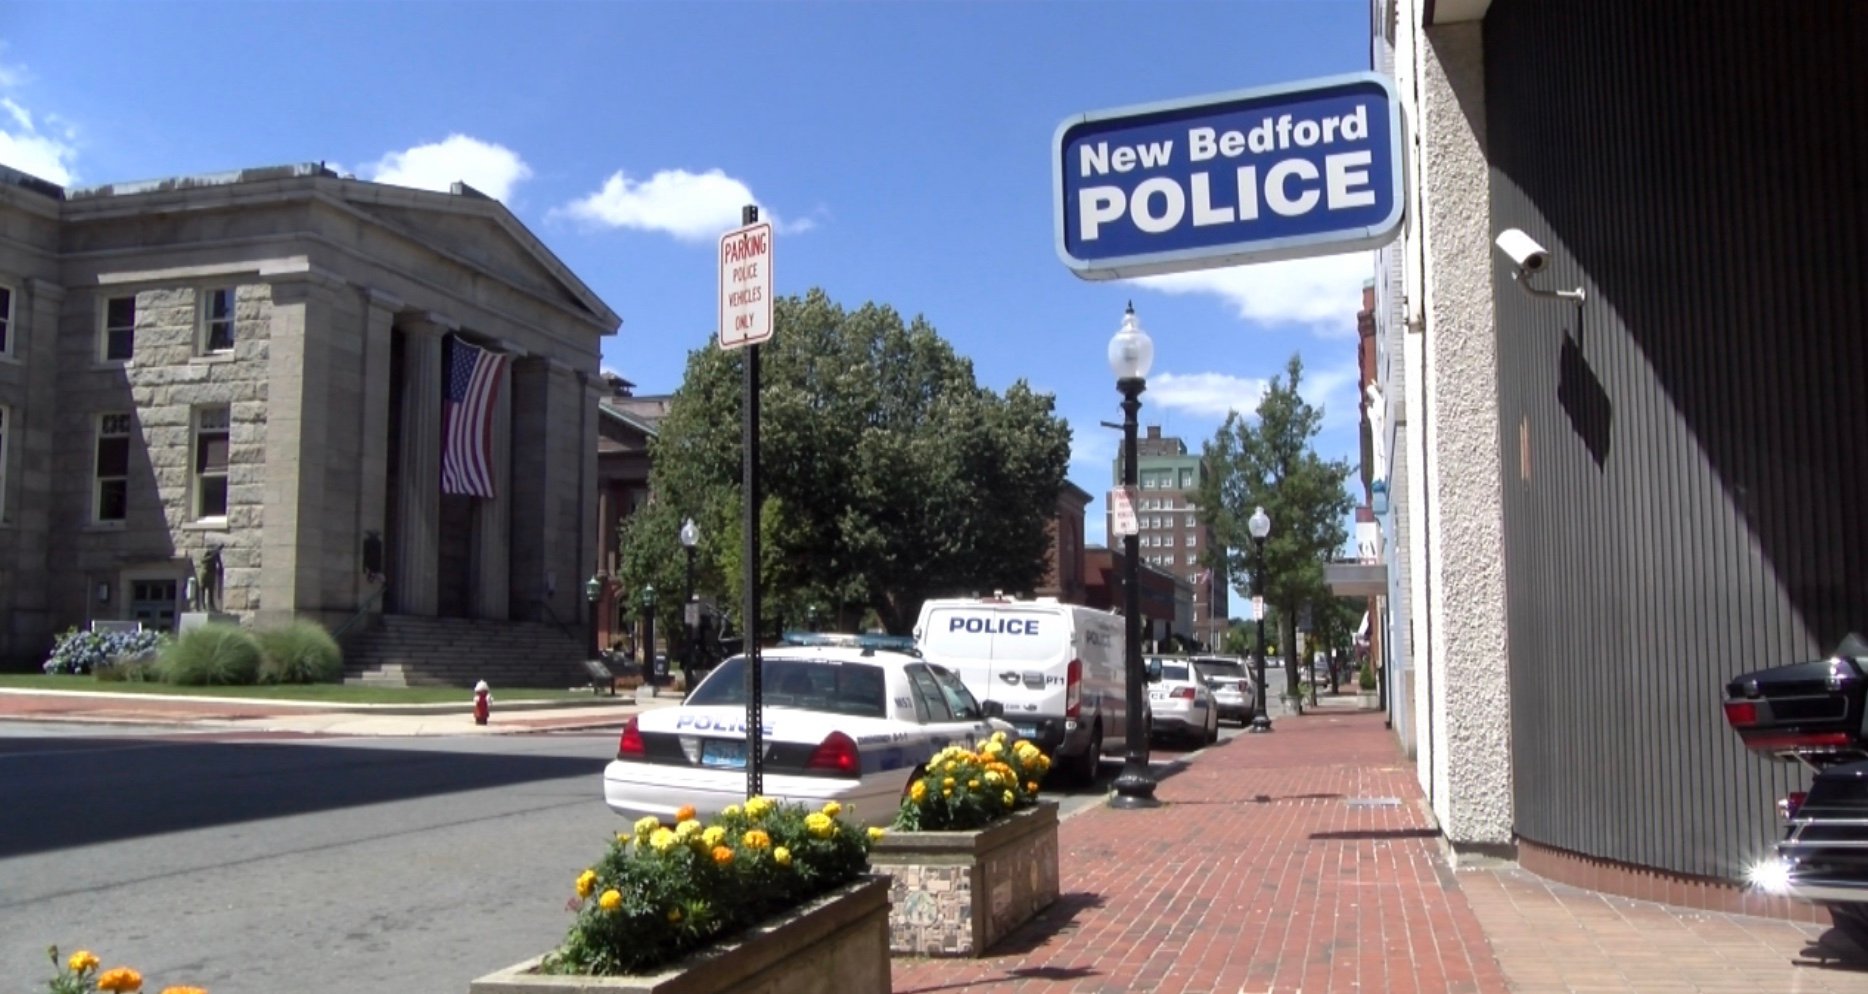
x=1006, y=653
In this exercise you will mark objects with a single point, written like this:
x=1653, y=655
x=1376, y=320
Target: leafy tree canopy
x=887, y=474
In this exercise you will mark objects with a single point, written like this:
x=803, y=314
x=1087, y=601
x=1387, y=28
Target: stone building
x=252, y=362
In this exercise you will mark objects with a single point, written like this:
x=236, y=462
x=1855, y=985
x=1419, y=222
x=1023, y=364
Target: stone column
x=526, y=565
x=294, y=485
x=373, y=478
x=418, y=505
x=492, y=518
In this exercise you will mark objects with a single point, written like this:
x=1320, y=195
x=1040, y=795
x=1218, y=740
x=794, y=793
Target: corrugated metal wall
x=1685, y=456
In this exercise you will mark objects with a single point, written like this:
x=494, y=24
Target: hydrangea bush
x=664, y=890
x=963, y=789
x=83, y=651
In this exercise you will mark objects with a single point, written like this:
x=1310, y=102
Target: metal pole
x=1135, y=787
x=689, y=613
x=755, y=680
x=1261, y=722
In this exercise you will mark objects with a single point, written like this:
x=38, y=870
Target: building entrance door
x=153, y=603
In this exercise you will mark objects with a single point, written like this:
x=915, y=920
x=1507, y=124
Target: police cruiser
x=841, y=723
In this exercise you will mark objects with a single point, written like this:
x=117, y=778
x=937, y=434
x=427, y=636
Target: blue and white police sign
x=1310, y=168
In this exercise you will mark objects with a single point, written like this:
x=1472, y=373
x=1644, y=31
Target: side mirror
x=1154, y=671
x=992, y=709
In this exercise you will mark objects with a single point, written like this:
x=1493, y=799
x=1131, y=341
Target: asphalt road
x=273, y=864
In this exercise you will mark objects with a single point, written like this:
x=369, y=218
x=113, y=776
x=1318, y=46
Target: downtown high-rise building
x=1173, y=535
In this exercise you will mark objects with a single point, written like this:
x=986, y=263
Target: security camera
x=1523, y=250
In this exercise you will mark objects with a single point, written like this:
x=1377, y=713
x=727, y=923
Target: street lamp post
x=690, y=608
x=593, y=592
x=1259, y=525
x=648, y=635
x=1130, y=354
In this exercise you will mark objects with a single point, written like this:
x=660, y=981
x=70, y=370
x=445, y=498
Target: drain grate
x=1375, y=802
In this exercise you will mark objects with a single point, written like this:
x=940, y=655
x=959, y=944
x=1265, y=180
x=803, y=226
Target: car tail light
x=631, y=746
x=836, y=755
x=1790, y=804
x=1183, y=693
x=1073, y=689
x=1741, y=713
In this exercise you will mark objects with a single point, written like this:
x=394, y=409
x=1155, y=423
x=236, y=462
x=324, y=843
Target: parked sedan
x=846, y=724
x=1180, y=702
x=1233, y=690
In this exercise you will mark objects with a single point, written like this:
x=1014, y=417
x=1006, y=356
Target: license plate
x=1156, y=695
x=1027, y=731
x=723, y=753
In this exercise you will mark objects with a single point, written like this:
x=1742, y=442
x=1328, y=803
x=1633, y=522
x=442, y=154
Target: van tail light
x=1073, y=689
x=1183, y=693
x=837, y=756
x=1790, y=804
x=1741, y=714
x=631, y=746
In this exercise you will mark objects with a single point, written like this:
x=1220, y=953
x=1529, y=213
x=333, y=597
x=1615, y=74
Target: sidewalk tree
x=1269, y=461
x=887, y=474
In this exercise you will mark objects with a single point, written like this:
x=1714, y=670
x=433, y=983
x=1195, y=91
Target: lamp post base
x=1134, y=789
x=1260, y=723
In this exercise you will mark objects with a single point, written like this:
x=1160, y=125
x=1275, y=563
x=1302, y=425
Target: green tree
x=1269, y=462
x=887, y=474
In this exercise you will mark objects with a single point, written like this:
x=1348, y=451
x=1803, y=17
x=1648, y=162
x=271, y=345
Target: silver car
x=1180, y=701
x=1233, y=689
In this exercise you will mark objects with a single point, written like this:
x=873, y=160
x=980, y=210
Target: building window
x=1168, y=540
x=211, y=425
x=118, y=342
x=217, y=320
x=1190, y=558
x=6, y=319
x=111, y=499
x=1193, y=541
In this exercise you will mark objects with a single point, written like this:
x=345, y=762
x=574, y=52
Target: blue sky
x=902, y=149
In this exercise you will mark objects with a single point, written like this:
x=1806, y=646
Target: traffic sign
x=1122, y=505
x=746, y=285
x=1258, y=609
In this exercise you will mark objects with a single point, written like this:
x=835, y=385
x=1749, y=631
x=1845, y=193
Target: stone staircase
x=409, y=651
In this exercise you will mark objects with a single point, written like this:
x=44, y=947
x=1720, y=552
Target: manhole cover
x=1375, y=802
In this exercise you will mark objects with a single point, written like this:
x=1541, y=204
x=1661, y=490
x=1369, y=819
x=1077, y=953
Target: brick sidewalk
x=1292, y=862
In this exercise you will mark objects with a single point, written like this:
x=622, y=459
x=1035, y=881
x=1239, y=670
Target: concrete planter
x=838, y=942
x=957, y=893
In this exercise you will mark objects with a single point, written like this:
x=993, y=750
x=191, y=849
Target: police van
x=1055, y=668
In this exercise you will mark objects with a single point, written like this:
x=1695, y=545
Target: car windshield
x=1220, y=669
x=1175, y=671
x=854, y=689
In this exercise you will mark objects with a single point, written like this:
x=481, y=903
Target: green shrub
x=140, y=668
x=1367, y=677
x=212, y=654
x=301, y=652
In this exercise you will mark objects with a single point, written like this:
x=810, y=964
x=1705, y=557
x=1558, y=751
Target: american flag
x=467, y=419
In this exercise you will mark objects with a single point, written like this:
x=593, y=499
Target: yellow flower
x=647, y=824
x=684, y=813
x=662, y=840
x=876, y=834
x=184, y=990
x=781, y=856
x=722, y=855
x=120, y=978
x=610, y=901
x=756, y=839
x=992, y=778
x=947, y=791
x=972, y=785
x=758, y=807
x=993, y=748
x=729, y=811
x=1025, y=751
x=819, y=825
x=999, y=736
x=713, y=835
x=674, y=915
x=687, y=830
x=586, y=882
x=947, y=783
x=833, y=809
x=82, y=961
x=918, y=792
x=1009, y=798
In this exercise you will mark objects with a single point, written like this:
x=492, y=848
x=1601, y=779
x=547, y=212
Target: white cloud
x=490, y=168
x=1211, y=394
x=690, y=206
x=1322, y=294
x=23, y=146
x=1336, y=390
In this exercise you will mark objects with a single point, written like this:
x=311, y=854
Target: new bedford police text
x=1289, y=186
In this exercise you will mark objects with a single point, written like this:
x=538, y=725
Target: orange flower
x=683, y=813
x=722, y=855
x=120, y=978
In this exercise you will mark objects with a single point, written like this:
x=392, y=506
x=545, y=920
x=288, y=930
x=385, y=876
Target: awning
x=1356, y=579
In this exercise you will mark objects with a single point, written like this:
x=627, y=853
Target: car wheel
x=1084, y=769
x=1212, y=726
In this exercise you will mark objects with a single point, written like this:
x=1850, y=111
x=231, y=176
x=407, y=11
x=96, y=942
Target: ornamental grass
x=963, y=789
x=662, y=891
x=81, y=974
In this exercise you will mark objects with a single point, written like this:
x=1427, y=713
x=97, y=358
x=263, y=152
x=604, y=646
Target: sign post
x=745, y=322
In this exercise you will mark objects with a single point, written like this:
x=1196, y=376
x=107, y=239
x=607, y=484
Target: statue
x=208, y=591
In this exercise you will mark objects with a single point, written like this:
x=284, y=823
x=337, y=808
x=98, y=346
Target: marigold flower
x=876, y=834
x=947, y=783
x=82, y=961
x=972, y=785
x=781, y=856
x=756, y=839
x=1031, y=786
x=610, y=901
x=120, y=978
x=684, y=813
x=833, y=809
x=946, y=791
x=586, y=882
x=184, y=990
x=722, y=855
x=647, y=824
x=729, y=811
x=918, y=792
x=1009, y=798
x=999, y=736
x=819, y=825
x=674, y=915
x=992, y=778
x=662, y=840
x=758, y=807
x=687, y=830
x=713, y=835
x=992, y=749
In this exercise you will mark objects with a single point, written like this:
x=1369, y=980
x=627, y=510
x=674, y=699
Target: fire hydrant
x=482, y=703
